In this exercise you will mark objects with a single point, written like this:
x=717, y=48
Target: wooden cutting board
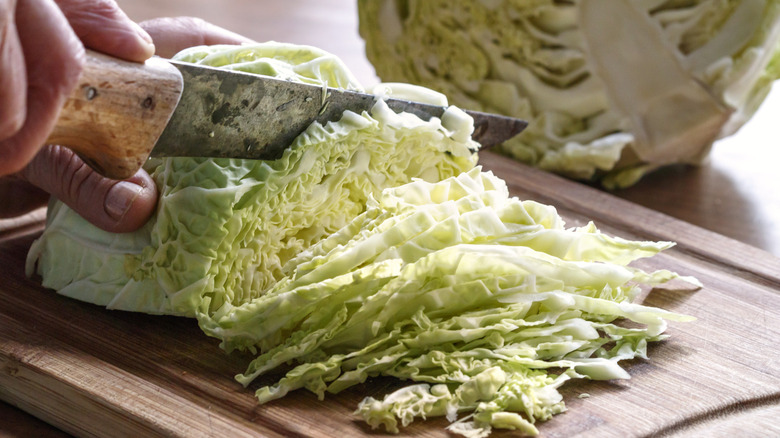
x=95, y=372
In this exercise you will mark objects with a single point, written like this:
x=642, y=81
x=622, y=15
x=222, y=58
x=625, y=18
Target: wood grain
x=142, y=375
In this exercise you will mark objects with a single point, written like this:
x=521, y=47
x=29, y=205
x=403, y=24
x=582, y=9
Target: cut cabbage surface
x=613, y=89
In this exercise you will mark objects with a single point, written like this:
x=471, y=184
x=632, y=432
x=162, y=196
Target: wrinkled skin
x=42, y=52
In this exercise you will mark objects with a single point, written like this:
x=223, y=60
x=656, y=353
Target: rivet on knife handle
x=114, y=117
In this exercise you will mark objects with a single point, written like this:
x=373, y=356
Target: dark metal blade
x=231, y=114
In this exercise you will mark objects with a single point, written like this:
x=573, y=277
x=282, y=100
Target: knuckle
x=86, y=9
x=196, y=21
x=192, y=24
x=57, y=170
x=72, y=175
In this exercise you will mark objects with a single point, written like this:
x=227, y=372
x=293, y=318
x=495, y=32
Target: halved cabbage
x=612, y=88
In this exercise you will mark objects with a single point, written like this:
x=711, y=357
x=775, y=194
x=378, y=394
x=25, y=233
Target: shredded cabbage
x=613, y=89
x=374, y=246
x=478, y=296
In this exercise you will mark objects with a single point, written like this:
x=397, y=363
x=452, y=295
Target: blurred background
x=330, y=25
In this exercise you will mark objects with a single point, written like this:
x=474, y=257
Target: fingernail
x=120, y=198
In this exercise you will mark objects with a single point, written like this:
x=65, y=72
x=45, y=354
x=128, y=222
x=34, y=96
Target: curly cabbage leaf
x=479, y=297
x=225, y=228
x=613, y=89
x=330, y=265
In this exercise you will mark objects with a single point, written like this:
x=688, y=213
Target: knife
x=123, y=112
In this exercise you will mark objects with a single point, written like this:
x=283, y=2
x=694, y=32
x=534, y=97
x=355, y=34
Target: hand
x=41, y=55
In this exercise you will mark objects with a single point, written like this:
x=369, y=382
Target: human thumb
x=115, y=206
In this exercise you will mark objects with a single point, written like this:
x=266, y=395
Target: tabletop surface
x=735, y=193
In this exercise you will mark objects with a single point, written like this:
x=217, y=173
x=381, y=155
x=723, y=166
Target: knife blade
x=123, y=112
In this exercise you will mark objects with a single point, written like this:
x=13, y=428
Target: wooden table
x=735, y=194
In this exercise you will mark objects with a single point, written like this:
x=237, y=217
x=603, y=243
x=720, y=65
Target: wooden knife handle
x=117, y=112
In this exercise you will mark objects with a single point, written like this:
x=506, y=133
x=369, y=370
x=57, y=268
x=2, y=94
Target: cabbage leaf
x=477, y=296
x=613, y=89
x=225, y=228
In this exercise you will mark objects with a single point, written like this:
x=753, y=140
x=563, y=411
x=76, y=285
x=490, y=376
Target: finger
x=171, y=35
x=102, y=26
x=53, y=59
x=13, y=80
x=115, y=206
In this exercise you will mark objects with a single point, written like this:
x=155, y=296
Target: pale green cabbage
x=457, y=285
x=330, y=260
x=612, y=88
x=225, y=228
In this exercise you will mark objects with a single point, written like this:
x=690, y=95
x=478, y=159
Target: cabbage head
x=225, y=228
x=613, y=89
x=373, y=247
